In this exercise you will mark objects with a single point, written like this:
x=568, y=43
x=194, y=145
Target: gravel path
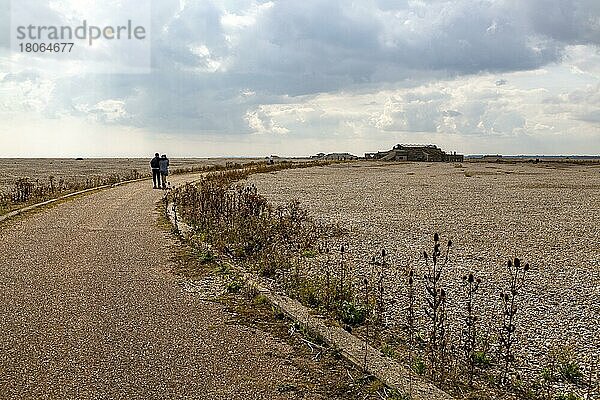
x=547, y=214
x=89, y=311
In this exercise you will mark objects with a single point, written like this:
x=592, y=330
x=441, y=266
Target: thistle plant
x=328, y=292
x=509, y=299
x=379, y=266
x=469, y=334
x=435, y=307
x=342, y=270
x=410, y=318
x=345, y=290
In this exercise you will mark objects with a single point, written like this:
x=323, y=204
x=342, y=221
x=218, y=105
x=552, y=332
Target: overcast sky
x=290, y=77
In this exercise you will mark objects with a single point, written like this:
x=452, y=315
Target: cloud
x=261, y=121
x=105, y=111
x=473, y=107
x=24, y=93
x=567, y=21
x=345, y=71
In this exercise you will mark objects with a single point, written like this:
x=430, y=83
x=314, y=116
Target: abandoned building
x=334, y=157
x=492, y=157
x=415, y=153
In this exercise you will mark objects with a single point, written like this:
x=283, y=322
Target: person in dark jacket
x=155, y=165
x=164, y=170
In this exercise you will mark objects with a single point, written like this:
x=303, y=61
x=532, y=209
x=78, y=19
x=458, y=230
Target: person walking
x=155, y=165
x=164, y=170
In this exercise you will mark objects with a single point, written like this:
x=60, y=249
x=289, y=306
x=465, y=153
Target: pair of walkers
x=160, y=171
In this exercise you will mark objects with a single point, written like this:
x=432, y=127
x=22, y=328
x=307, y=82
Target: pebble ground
x=547, y=214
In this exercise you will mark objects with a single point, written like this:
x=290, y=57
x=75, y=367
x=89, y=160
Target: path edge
x=23, y=210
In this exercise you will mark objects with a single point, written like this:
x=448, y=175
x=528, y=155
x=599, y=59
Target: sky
x=294, y=78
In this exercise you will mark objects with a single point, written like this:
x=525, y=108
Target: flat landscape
x=74, y=170
x=27, y=181
x=547, y=214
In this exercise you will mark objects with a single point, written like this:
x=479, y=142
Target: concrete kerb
x=64, y=197
x=351, y=347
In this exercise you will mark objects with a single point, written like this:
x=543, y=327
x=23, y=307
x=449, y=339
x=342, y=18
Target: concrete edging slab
x=64, y=197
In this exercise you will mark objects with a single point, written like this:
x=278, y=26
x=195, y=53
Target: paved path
x=87, y=311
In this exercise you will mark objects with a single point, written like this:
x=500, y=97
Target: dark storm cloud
x=575, y=22
x=201, y=66
x=341, y=43
x=298, y=48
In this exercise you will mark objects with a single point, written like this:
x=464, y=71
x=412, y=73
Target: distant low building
x=429, y=153
x=335, y=157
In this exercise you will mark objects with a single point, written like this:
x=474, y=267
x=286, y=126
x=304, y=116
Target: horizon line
x=283, y=156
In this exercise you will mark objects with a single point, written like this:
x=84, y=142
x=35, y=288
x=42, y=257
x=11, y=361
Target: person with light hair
x=164, y=170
